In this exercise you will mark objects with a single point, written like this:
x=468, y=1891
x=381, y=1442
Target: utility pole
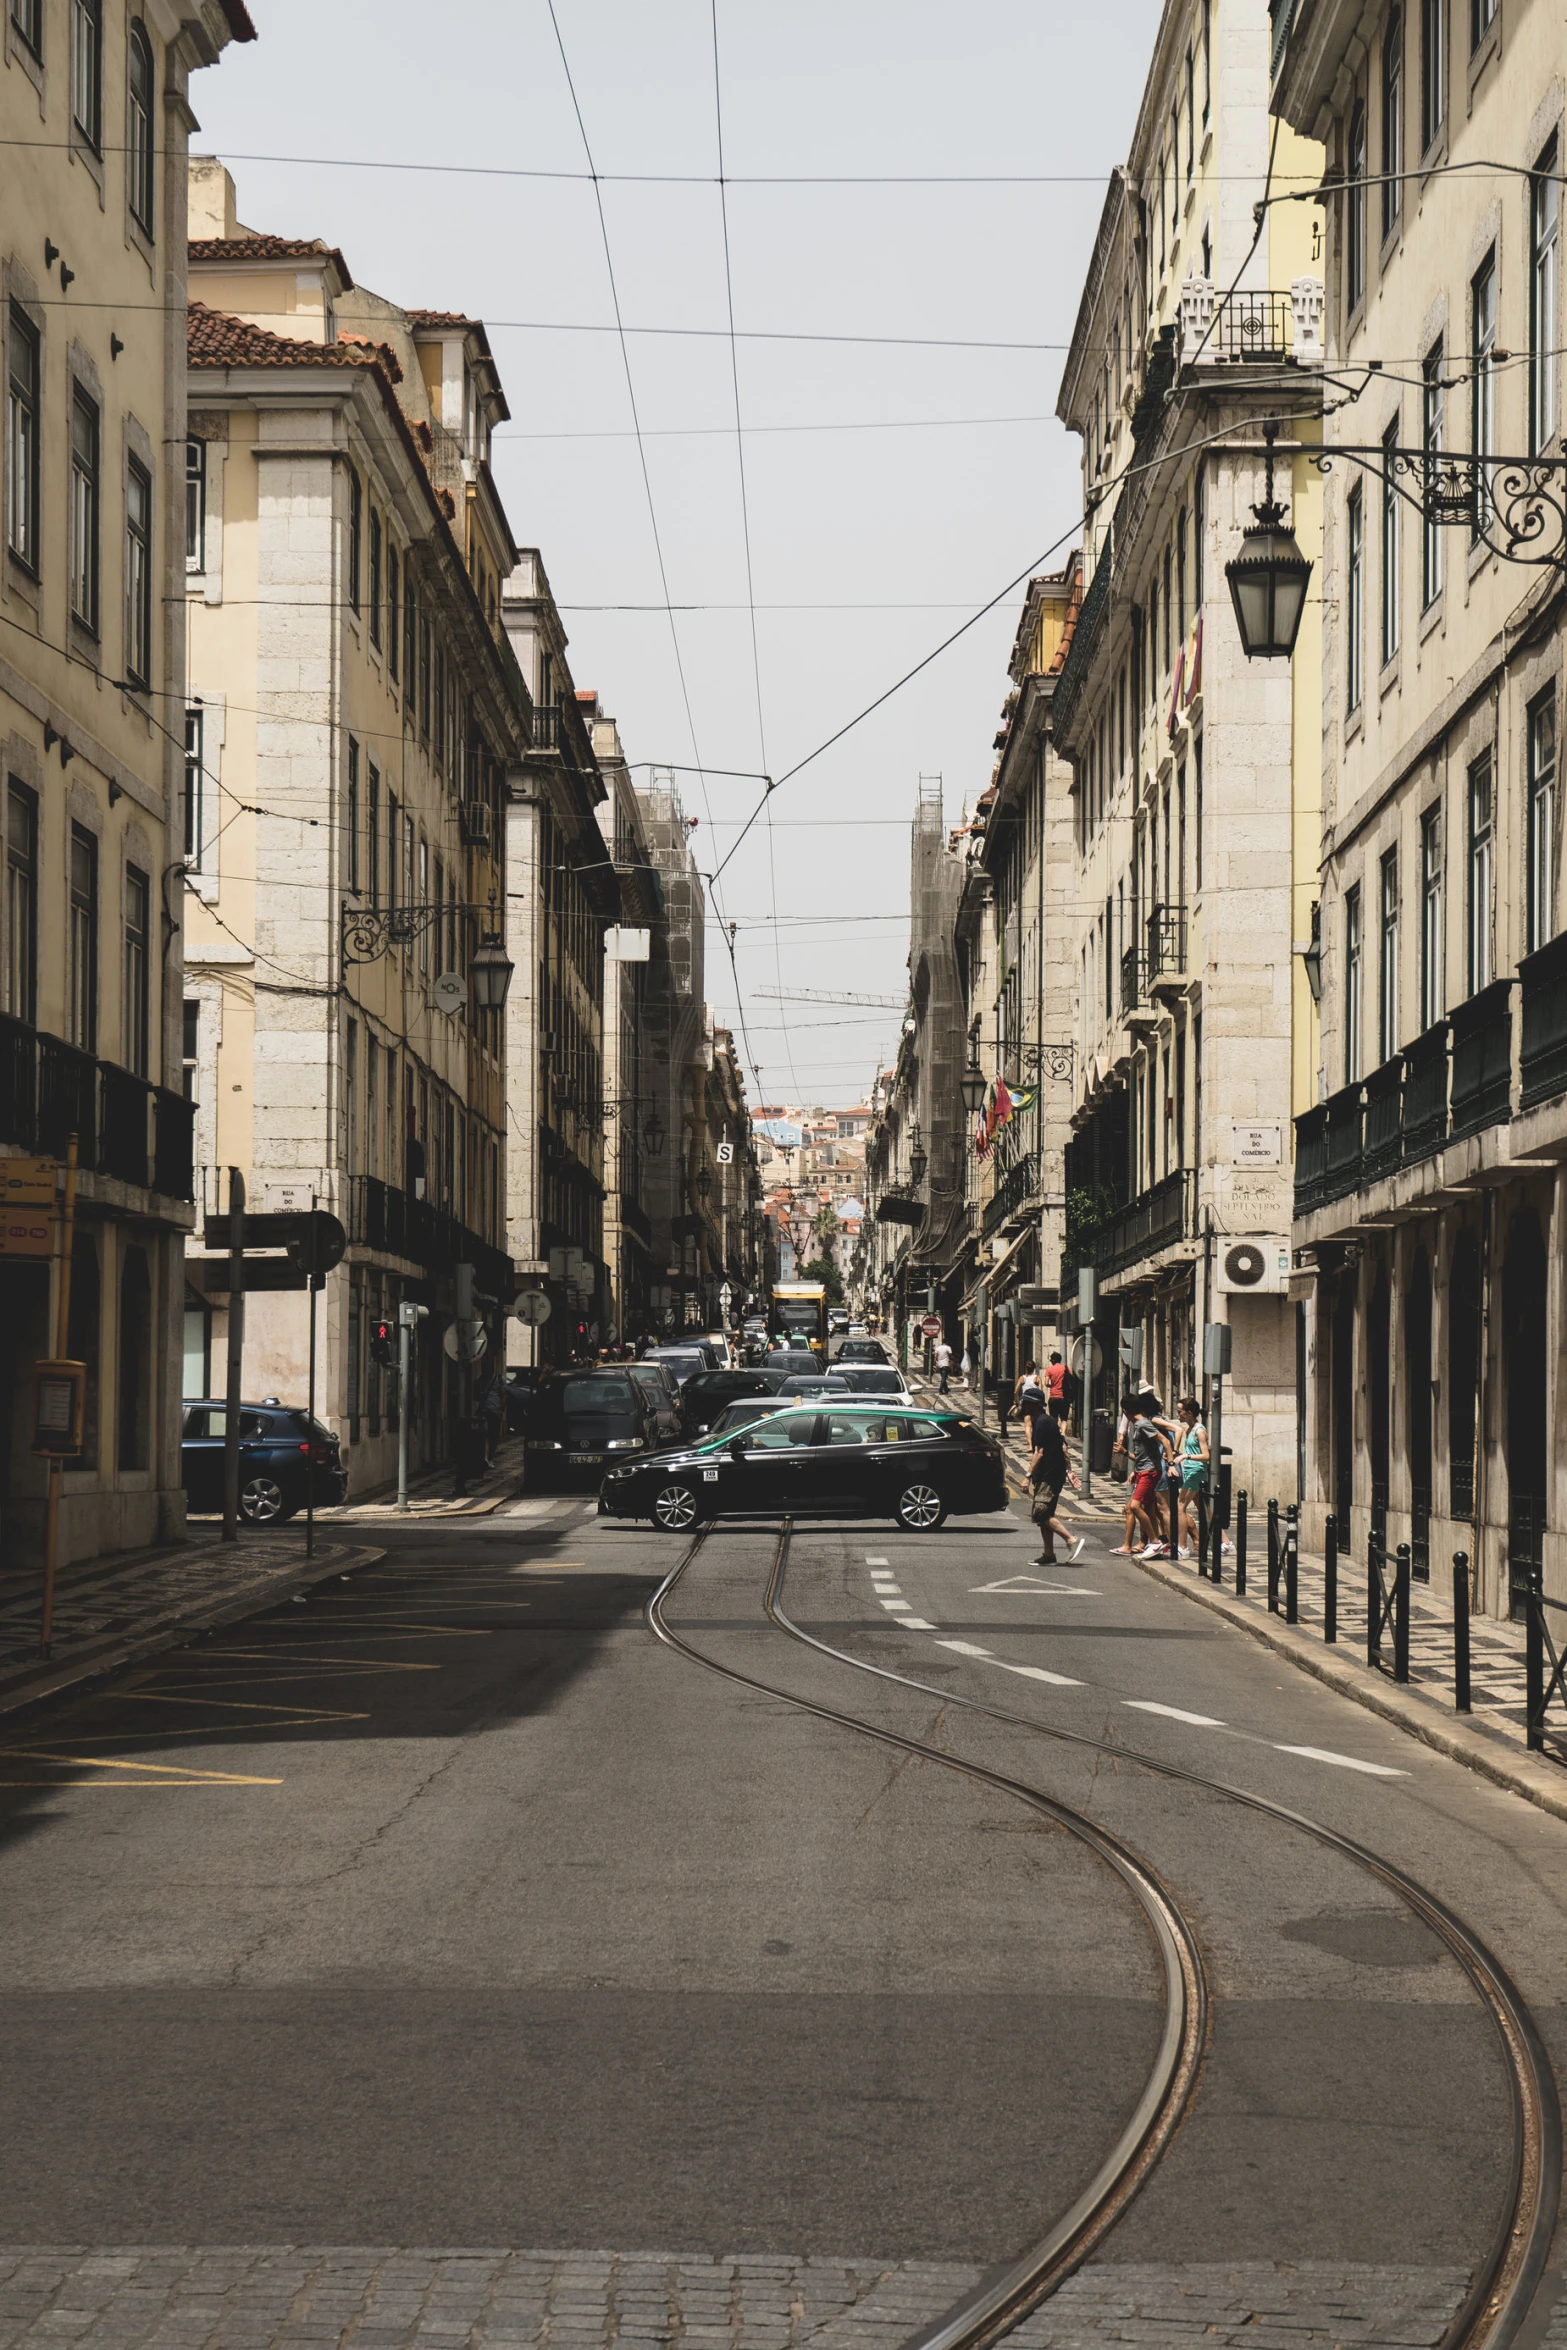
x=236, y=1355
x=409, y=1317
x=62, y=1340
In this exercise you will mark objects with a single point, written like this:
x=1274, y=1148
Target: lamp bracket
x=1042, y=1060
x=370, y=931
x=1516, y=506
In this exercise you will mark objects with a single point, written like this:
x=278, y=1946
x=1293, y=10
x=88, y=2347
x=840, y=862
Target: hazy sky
x=868, y=544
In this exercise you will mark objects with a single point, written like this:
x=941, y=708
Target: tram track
x=1505, y=2279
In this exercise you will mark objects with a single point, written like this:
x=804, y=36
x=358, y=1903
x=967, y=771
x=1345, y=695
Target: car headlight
x=625, y=1444
x=544, y=1444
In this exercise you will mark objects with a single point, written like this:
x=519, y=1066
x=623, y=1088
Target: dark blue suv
x=276, y=1442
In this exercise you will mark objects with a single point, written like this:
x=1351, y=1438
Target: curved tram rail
x=996, y=2305
x=1505, y=2281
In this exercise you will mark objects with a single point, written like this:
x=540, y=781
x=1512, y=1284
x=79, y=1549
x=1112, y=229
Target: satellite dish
x=450, y=991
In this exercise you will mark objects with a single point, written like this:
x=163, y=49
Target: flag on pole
x=1004, y=1104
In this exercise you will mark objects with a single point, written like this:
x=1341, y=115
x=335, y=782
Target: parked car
x=862, y=1350
x=705, y=1394
x=741, y=1414
x=662, y=1390
x=871, y=1379
x=277, y=1445
x=815, y=1383
x=584, y=1420
x=523, y=1381
x=849, y=1460
x=682, y=1360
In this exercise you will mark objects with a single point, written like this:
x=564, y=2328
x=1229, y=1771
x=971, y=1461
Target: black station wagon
x=849, y=1461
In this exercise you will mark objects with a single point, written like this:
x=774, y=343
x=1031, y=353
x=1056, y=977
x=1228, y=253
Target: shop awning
x=994, y=1272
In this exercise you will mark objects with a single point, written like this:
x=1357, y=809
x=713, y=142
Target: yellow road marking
x=92, y=1762
x=135, y=1786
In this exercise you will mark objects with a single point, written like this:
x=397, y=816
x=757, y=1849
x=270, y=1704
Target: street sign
x=26, y=1232
x=211, y=1274
x=532, y=1307
x=725, y=1154
x=476, y=1341
x=317, y=1250
x=930, y=1327
x=28, y=1183
x=285, y=1231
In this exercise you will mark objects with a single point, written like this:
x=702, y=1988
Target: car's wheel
x=920, y=1509
x=676, y=1508
x=262, y=1502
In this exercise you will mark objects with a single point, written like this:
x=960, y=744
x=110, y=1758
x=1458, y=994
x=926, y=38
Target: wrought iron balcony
x=1425, y=1094
x=1166, y=935
x=1134, y=980
x=1344, y=1136
x=1482, y=1059
x=124, y=1126
x=1383, y=1142
x=1014, y=1187
x=1157, y=1219
x=1256, y=326
x=1311, y=1159
x=1542, y=1057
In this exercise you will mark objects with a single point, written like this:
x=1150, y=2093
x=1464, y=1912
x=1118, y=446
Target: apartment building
x=1429, y=1221
x=92, y=669
x=630, y=973
x=354, y=711
x=1196, y=773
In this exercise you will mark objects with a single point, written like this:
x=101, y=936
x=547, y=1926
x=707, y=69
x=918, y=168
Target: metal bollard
x=1240, y=1543
x=1373, y=1600
x=1534, y=1666
x=1330, y=1579
x=1401, y=1613
x=1273, y=1558
x=1292, y=1566
x=1460, y=1631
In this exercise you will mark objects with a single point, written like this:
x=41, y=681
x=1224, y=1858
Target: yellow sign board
x=29, y=1183
x=26, y=1232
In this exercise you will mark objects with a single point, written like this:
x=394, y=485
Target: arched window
x=139, y=141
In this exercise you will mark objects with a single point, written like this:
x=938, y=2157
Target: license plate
x=587, y=1460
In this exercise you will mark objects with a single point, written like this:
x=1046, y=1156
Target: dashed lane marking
x=918, y=1624
x=1038, y=1673
x=870, y=1562
x=1175, y=1713
x=1345, y=1762
x=898, y=1606
x=967, y=1648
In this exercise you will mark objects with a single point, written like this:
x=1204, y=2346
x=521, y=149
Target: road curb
x=1520, y=1774
x=73, y=1674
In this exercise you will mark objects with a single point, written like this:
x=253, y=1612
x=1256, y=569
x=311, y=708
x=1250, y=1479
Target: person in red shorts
x=1150, y=1450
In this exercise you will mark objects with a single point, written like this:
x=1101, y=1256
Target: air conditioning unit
x=476, y=816
x=1254, y=1268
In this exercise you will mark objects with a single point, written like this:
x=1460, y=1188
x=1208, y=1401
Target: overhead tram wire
x=652, y=509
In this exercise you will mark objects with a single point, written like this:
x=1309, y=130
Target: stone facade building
x=92, y=680
x=354, y=712
x=1429, y=1226
x=1196, y=774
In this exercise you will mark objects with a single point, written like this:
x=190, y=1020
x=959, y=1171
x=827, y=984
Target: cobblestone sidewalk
x=303, y=2298
x=431, y=1495
x=110, y=1611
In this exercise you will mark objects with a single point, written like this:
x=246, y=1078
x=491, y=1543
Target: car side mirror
x=737, y=1448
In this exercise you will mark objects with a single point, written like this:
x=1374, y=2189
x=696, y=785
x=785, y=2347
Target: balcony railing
x=1311, y=1159
x=382, y=1216
x=1345, y=1127
x=1382, y=1147
x=1134, y=980
x=124, y=1127
x=1166, y=933
x=1010, y=1193
x=1080, y=652
x=1542, y=1056
x=1425, y=1094
x=1257, y=326
x=1482, y=1059
x=1157, y=1219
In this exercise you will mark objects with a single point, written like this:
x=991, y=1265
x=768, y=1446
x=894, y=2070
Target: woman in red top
x=1055, y=1388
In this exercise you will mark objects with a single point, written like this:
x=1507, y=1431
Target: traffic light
x=383, y=1342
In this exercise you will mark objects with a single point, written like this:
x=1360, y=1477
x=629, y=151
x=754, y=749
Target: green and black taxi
x=850, y=1461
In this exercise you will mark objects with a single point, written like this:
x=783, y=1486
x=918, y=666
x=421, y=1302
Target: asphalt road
x=447, y=1909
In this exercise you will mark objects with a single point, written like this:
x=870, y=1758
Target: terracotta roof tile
x=207, y=250
x=214, y=339
x=439, y=318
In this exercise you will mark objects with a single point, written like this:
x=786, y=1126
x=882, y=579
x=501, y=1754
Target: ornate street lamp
x=919, y=1157
x=653, y=1135
x=703, y=1184
x=972, y=1084
x=489, y=973
x=1268, y=577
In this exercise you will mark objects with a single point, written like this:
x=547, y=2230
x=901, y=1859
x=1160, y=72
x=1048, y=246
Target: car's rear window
x=905, y=1428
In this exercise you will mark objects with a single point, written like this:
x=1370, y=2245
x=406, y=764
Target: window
x=1430, y=917
x=1392, y=121
x=82, y=972
x=424, y=900
x=84, y=508
x=375, y=577
x=424, y=674
x=1541, y=734
x=28, y=18
x=195, y=504
x=1354, y=596
x=391, y=605
x=1387, y=968
x=1191, y=114
x=393, y=835
x=1197, y=814
x=1352, y=978
x=353, y=814
x=138, y=573
x=1207, y=57
x=410, y=632
x=87, y=70
x=356, y=527
x=1390, y=564
x=1482, y=395
x=1482, y=15
x=1355, y=214
x=196, y=826
x=23, y=439
x=1433, y=403
x=373, y=836
x=1433, y=72
x=351, y=1094
x=21, y=904
x=1481, y=849
x=1545, y=223
x=190, y=1044
x=137, y=996
x=140, y=143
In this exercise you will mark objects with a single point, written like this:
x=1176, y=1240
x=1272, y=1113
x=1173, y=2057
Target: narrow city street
x=448, y=1948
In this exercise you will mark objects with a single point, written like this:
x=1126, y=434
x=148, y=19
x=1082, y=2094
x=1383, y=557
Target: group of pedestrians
x=1167, y=1466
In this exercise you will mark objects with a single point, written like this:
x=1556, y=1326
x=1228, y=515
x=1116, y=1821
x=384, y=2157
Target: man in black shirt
x=1049, y=1472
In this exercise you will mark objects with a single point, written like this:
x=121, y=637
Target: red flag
x=1004, y=1102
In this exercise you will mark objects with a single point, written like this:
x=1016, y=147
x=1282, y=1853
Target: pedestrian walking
x=1192, y=1458
x=1150, y=1448
x=943, y=1366
x=493, y=1406
x=1055, y=1387
x=1049, y=1473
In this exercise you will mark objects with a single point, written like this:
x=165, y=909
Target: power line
x=688, y=432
